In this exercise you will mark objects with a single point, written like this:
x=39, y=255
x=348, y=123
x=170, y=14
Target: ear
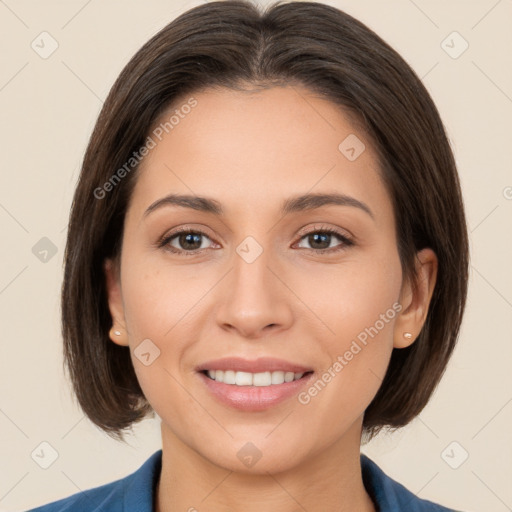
x=115, y=303
x=415, y=299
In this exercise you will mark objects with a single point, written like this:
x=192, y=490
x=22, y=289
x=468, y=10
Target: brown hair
x=231, y=44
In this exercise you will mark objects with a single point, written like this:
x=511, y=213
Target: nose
x=254, y=299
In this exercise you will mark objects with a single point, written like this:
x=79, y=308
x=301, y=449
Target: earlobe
x=117, y=336
x=118, y=333
x=415, y=299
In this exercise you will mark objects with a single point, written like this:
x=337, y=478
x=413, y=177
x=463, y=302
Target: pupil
x=185, y=241
x=315, y=238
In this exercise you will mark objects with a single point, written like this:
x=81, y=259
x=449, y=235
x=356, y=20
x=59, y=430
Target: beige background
x=49, y=107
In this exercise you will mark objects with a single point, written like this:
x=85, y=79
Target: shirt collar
x=140, y=487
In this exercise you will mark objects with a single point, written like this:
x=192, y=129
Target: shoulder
x=390, y=495
x=134, y=492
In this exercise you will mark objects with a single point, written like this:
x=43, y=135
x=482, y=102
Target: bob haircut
x=232, y=44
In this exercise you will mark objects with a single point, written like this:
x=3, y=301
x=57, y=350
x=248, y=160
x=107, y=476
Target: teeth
x=253, y=379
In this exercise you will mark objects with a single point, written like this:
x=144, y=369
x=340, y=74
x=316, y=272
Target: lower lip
x=254, y=398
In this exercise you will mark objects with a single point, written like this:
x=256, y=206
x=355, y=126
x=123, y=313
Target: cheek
x=351, y=296
x=158, y=308
x=358, y=304
x=162, y=305
x=157, y=297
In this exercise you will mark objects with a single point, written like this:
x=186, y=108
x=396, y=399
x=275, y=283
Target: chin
x=257, y=457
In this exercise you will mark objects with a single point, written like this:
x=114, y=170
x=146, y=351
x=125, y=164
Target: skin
x=250, y=151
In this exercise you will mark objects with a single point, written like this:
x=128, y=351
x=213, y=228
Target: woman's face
x=260, y=281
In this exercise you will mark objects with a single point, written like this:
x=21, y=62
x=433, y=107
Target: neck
x=329, y=481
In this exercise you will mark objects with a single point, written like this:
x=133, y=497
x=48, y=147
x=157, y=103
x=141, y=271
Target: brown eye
x=320, y=240
x=185, y=241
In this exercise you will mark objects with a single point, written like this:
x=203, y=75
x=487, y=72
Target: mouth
x=261, y=379
x=253, y=385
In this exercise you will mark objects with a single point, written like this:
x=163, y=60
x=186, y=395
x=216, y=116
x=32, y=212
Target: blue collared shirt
x=136, y=492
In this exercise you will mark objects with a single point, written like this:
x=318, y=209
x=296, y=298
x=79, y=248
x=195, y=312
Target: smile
x=253, y=392
x=263, y=379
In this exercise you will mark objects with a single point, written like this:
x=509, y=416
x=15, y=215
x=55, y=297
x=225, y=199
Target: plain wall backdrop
x=58, y=61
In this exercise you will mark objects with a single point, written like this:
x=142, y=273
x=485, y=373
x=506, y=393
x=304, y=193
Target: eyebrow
x=304, y=202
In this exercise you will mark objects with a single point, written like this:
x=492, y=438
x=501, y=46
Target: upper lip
x=260, y=365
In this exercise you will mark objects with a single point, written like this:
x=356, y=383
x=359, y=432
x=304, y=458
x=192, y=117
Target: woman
x=267, y=247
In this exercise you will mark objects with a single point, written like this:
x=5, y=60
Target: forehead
x=253, y=149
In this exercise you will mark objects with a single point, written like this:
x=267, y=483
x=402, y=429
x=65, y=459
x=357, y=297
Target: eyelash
x=165, y=240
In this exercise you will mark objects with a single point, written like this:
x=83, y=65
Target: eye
x=188, y=241
x=321, y=237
